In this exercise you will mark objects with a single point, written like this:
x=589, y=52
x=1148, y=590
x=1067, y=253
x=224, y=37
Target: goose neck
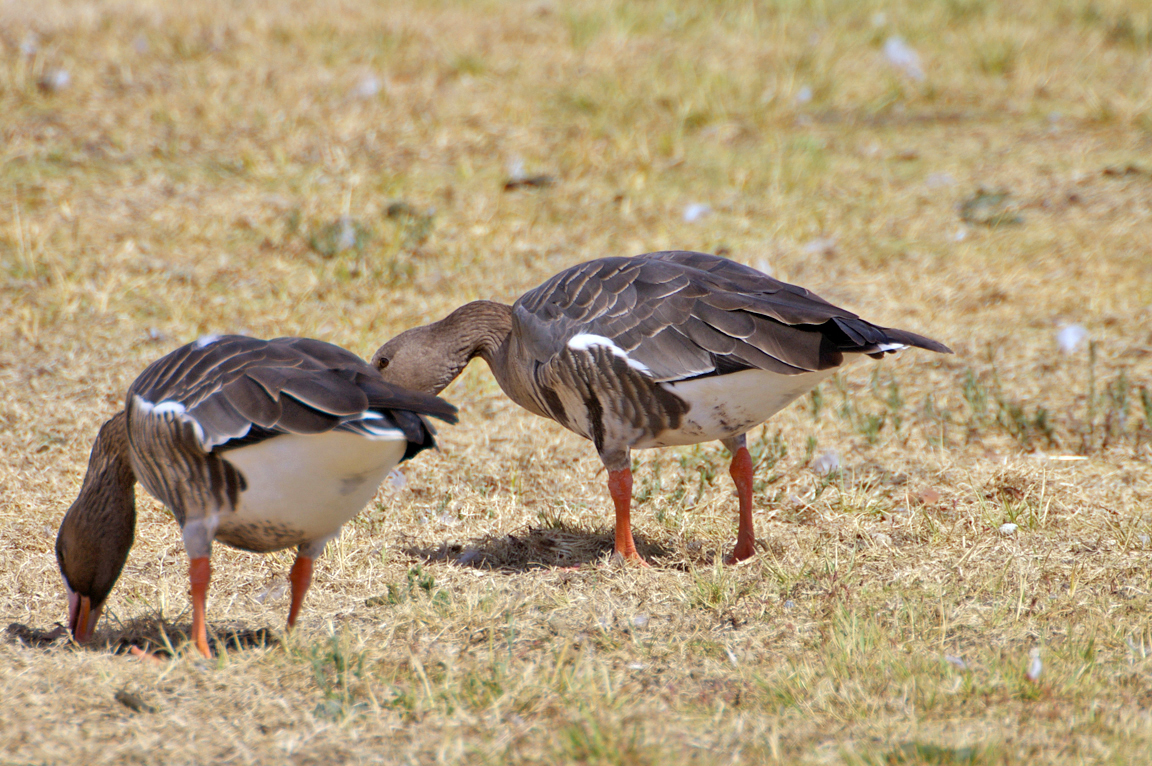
x=483, y=327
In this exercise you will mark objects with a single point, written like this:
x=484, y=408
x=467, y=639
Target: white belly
x=722, y=406
x=304, y=488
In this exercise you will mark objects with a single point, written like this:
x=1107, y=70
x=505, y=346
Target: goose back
x=682, y=314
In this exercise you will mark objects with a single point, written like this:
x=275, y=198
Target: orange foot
x=633, y=558
x=144, y=654
x=742, y=552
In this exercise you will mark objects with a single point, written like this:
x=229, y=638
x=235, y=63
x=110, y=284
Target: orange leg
x=199, y=573
x=301, y=578
x=620, y=487
x=741, y=470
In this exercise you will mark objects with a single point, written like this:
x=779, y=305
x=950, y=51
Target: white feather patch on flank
x=890, y=346
x=585, y=341
x=169, y=407
x=163, y=408
x=205, y=340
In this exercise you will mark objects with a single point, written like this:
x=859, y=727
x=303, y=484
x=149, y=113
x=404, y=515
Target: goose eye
x=382, y=362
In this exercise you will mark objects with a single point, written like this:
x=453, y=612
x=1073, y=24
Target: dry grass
x=196, y=173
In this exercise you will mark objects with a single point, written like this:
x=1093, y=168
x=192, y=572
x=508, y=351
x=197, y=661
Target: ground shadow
x=153, y=635
x=554, y=546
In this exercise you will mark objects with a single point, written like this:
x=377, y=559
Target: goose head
x=430, y=357
x=97, y=532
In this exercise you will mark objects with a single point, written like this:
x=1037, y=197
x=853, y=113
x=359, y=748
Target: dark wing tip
x=855, y=335
x=918, y=341
x=447, y=413
x=938, y=347
x=389, y=396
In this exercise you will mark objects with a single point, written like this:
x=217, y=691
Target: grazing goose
x=262, y=445
x=661, y=349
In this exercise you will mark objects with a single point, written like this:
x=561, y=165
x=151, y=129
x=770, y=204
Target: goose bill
x=82, y=618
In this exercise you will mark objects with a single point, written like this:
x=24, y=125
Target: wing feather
x=325, y=392
x=219, y=421
x=252, y=401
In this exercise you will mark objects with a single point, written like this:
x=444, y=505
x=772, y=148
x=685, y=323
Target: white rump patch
x=381, y=434
x=205, y=340
x=586, y=341
x=890, y=346
x=378, y=432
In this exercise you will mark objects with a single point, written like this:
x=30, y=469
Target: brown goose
x=661, y=349
x=262, y=445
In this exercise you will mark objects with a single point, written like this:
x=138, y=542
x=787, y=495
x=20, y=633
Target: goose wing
x=683, y=315
x=233, y=390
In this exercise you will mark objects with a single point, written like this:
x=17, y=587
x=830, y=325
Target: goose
x=655, y=350
x=260, y=444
